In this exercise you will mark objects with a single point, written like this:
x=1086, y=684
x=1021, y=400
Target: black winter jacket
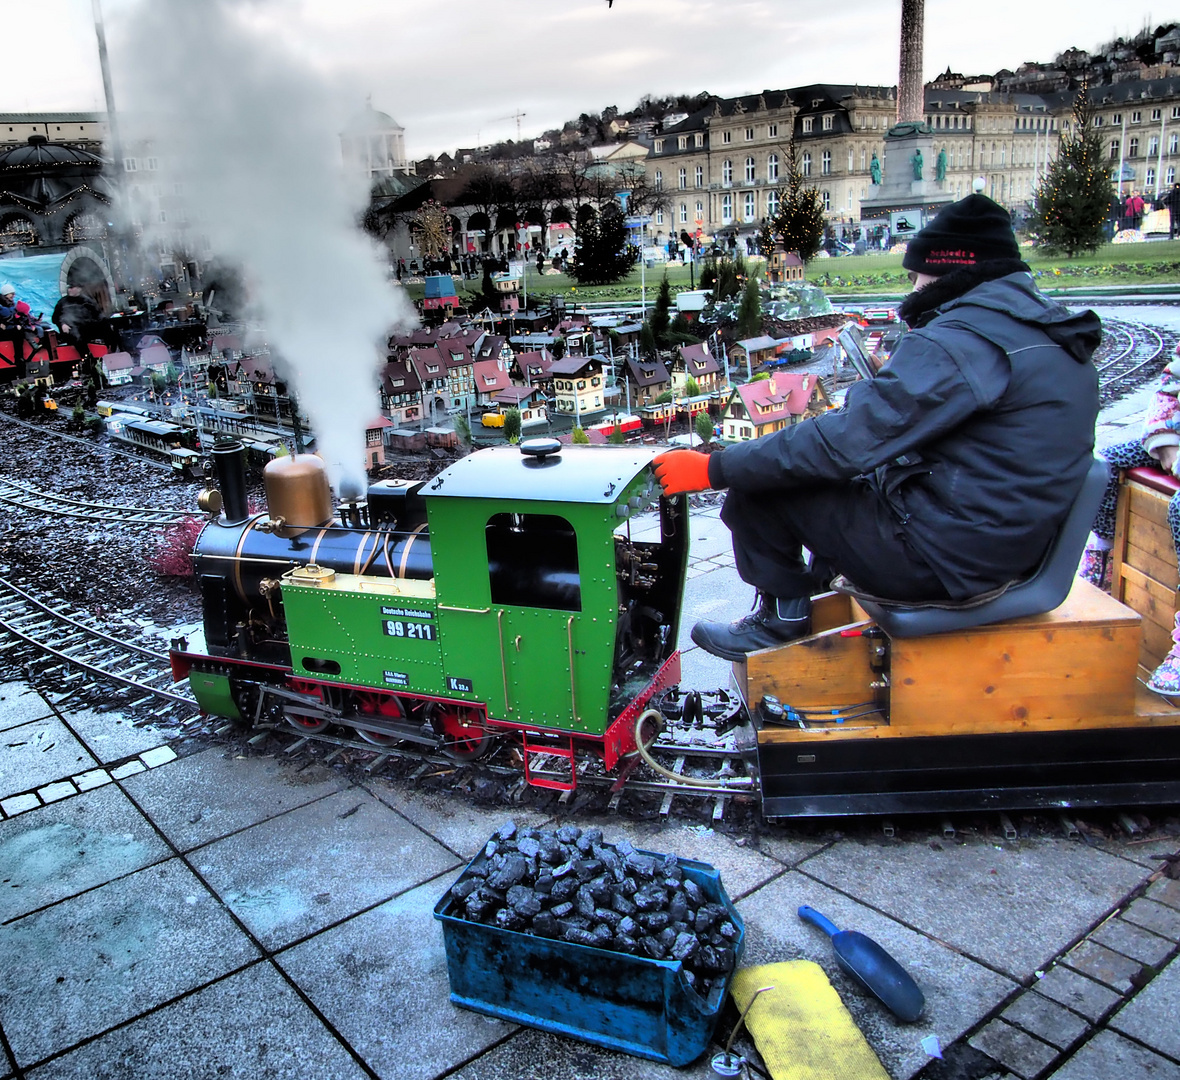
x=977, y=434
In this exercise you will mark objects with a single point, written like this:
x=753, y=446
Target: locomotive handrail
x=468, y=610
x=569, y=633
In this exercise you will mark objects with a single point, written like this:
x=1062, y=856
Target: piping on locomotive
x=501, y=597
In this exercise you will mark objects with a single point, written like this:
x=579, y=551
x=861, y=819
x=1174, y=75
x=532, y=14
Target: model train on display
x=513, y=597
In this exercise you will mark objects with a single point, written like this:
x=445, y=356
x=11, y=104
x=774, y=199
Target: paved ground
x=216, y=914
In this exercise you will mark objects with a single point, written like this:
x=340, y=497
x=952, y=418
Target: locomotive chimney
x=230, y=458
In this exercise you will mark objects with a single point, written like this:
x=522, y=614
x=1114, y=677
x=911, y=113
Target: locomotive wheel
x=464, y=736
x=303, y=722
x=387, y=706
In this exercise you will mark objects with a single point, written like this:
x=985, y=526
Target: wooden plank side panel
x=829, y=610
x=1155, y=644
x=1153, y=602
x=1122, y=511
x=1155, y=540
x=1147, y=503
x=1022, y=677
x=1161, y=570
x=823, y=670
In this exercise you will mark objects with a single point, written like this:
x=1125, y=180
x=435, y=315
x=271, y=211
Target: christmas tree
x=799, y=223
x=601, y=252
x=1073, y=200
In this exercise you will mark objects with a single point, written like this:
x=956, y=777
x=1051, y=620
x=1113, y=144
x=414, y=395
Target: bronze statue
x=919, y=163
x=875, y=169
x=940, y=165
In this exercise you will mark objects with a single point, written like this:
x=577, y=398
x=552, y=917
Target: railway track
x=89, y=444
x=1131, y=354
x=15, y=493
x=76, y=650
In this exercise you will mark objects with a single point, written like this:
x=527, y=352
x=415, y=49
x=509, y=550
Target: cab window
x=533, y=561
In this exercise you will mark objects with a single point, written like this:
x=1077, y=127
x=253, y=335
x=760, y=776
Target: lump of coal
x=511, y=873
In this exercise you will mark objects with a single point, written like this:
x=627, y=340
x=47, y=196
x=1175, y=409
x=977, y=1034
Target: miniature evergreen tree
x=749, y=319
x=579, y=437
x=647, y=340
x=799, y=223
x=660, y=318
x=512, y=425
x=463, y=430
x=1073, y=200
x=692, y=388
x=704, y=427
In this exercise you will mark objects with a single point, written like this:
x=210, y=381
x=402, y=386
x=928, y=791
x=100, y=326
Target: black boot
x=776, y=622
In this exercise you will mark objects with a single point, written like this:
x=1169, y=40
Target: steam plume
x=249, y=130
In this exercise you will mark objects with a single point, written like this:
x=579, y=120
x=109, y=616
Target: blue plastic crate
x=630, y=1003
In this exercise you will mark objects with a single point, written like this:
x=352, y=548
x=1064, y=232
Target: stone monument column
x=908, y=194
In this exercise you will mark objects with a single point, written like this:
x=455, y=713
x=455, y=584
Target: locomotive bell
x=298, y=494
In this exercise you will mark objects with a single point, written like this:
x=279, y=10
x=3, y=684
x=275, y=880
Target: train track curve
x=1131, y=354
x=15, y=493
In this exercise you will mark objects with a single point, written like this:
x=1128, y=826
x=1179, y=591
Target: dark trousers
x=847, y=528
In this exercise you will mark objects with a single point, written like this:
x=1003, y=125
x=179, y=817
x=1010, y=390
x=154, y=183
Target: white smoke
x=246, y=136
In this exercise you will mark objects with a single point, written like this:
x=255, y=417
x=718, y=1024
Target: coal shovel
x=872, y=967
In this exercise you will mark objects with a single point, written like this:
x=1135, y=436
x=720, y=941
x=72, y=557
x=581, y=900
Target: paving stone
x=211, y=794
x=958, y=991
x=161, y=755
x=263, y=1029
x=19, y=704
x=1101, y=963
x=1046, y=1019
x=383, y=965
x=1158, y=918
x=718, y=596
x=72, y=846
x=317, y=864
x=129, y=769
x=1165, y=891
x=1083, y=995
x=92, y=779
x=18, y=804
x=1014, y=1049
x=39, y=753
x=789, y=845
x=1013, y=906
x=564, y=1059
x=111, y=736
x=102, y=958
x=1151, y=1015
x=1108, y=1056
x=1133, y=941
x=458, y=823
x=63, y=789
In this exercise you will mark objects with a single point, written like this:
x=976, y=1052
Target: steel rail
x=28, y=498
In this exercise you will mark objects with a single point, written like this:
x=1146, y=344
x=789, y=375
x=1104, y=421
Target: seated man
x=944, y=477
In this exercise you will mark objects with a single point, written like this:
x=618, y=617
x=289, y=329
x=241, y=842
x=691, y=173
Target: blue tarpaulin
x=37, y=280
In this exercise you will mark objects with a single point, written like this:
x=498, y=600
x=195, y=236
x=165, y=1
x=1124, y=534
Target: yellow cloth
x=801, y=1027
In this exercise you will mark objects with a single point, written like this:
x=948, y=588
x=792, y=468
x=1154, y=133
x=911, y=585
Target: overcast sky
x=455, y=73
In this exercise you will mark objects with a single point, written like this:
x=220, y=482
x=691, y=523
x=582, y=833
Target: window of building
x=727, y=208
x=1170, y=175
x=727, y=136
x=851, y=159
x=658, y=146
x=807, y=120
x=825, y=163
x=1136, y=117
x=1173, y=143
x=772, y=168
x=805, y=165
x=827, y=198
x=772, y=204
x=533, y=561
x=749, y=170
x=682, y=142
x=683, y=213
x=1149, y=180
x=1176, y=112
x=772, y=131
x=700, y=218
x=1114, y=149
x=749, y=209
x=1117, y=118
x=130, y=164
x=658, y=180
x=1132, y=148
x=699, y=176
x=827, y=125
x=659, y=215
x=698, y=139
x=682, y=179
x=727, y=171
x=1155, y=114
x=1153, y=145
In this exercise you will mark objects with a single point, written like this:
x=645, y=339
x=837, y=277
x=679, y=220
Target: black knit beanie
x=967, y=232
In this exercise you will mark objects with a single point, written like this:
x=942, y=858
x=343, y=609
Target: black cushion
x=1046, y=589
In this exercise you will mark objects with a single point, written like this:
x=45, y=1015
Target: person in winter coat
x=78, y=318
x=1172, y=201
x=1133, y=210
x=1158, y=445
x=946, y=476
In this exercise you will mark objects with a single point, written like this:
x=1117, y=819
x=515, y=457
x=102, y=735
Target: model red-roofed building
x=758, y=408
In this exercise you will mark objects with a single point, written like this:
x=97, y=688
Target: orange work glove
x=681, y=472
